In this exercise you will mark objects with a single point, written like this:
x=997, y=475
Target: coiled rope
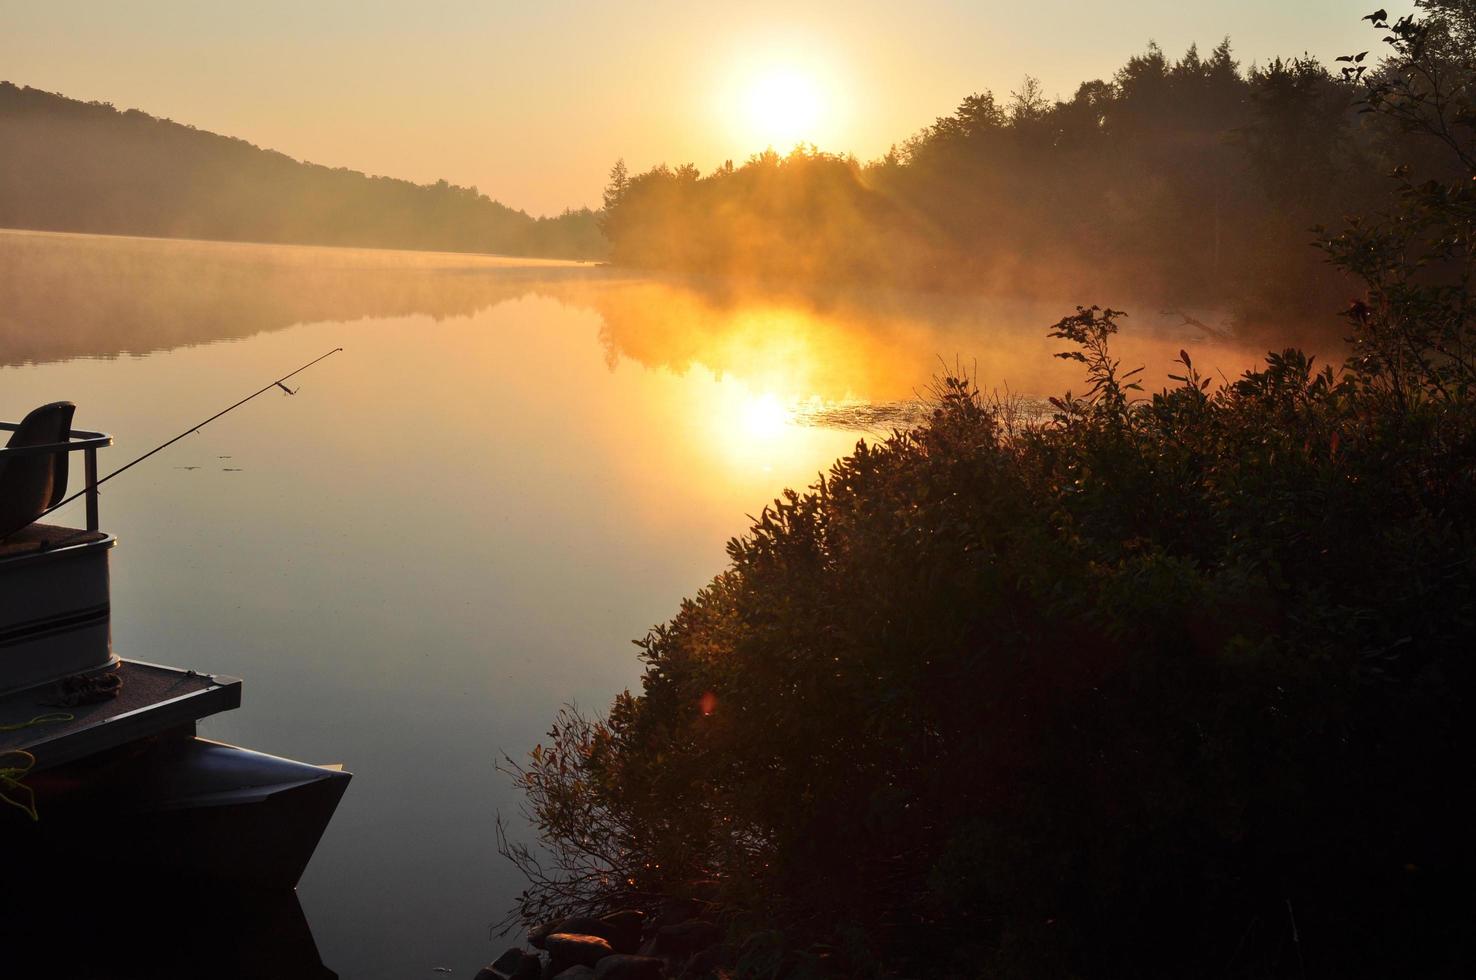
x=10, y=782
x=11, y=776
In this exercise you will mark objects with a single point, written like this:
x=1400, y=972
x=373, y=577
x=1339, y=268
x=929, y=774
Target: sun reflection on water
x=762, y=417
x=749, y=430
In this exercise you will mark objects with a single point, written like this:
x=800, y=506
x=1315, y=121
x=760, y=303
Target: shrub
x=1136, y=682
x=1168, y=685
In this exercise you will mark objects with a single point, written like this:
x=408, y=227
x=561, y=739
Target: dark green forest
x=77, y=166
x=1183, y=180
x=1175, y=682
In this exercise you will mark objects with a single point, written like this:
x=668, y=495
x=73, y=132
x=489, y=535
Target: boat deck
x=45, y=537
x=152, y=699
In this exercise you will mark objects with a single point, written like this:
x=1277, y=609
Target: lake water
x=458, y=524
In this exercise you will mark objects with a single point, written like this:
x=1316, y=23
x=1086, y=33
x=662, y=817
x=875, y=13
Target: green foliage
x=1416, y=328
x=1164, y=685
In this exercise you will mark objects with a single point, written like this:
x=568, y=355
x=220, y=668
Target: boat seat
x=30, y=484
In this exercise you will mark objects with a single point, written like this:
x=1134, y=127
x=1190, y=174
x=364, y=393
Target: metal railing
x=78, y=440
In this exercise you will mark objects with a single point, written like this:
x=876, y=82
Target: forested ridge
x=67, y=165
x=1189, y=180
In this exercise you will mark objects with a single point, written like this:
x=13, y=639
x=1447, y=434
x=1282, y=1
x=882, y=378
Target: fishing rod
x=192, y=429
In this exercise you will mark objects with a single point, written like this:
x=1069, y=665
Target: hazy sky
x=533, y=101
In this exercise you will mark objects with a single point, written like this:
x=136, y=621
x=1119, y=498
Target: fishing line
x=192, y=429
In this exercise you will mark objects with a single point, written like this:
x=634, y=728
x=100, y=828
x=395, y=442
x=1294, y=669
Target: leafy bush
x=1135, y=682
x=1174, y=685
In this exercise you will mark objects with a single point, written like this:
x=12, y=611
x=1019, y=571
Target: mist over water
x=515, y=468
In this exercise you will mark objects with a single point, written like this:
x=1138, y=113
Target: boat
x=100, y=760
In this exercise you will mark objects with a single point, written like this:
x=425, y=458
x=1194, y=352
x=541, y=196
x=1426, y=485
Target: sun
x=784, y=106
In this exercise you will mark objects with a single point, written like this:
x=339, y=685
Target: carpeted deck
x=45, y=537
x=152, y=699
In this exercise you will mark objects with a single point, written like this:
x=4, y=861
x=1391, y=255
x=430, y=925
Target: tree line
x=67, y=165
x=1188, y=180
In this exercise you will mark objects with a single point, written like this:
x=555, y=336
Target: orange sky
x=533, y=102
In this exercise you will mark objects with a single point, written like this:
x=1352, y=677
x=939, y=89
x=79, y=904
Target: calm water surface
x=459, y=523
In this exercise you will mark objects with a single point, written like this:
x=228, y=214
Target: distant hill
x=67, y=165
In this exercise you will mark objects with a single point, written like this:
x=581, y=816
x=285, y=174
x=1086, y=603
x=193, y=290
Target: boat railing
x=78, y=440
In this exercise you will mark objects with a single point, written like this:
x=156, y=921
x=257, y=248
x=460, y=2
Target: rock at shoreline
x=575, y=973
x=706, y=963
x=675, y=911
x=579, y=925
x=686, y=938
x=623, y=967
x=628, y=925
x=515, y=964
x=575, y=949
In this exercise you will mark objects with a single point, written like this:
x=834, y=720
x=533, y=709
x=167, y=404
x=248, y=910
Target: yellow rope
x=10, y=782
x=51, y=717
x=11, y=776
